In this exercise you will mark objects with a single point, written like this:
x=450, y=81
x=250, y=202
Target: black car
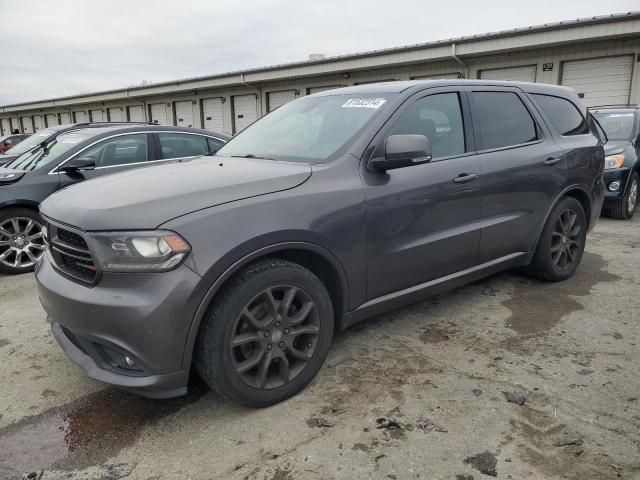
x=333, y=208
x=622, y=163
x=70, y=155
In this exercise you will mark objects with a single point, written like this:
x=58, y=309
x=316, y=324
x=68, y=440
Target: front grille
x=72, y=254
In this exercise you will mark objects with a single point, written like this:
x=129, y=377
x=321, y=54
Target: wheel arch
x=311, y=256
x=574, y=191
x=20, y=203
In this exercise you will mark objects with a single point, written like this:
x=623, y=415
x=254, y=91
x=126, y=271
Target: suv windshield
x=41, y=157
x=31, y=141
x=308, y=129
x=617, y=124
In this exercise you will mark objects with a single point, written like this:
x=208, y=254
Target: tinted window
x=437, y=117
x=563, y=115
x=214, y=144
x=122, y=150
x=176, y=145
x=502, y=119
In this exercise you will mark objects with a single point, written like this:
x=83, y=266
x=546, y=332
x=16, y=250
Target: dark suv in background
x=622, y=163
x=71, y=154
x=333, y=208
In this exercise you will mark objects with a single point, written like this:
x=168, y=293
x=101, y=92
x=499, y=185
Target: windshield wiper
x=251, y=155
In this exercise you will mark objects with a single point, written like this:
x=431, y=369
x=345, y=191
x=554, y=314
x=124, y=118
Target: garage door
x=245, y=111
x=321, y=89
x=80, y=117
x=27, y=125
x=38, y=122
x=158, y=113
x=277, y=99
x=440, y=76
x=213, y=114
x=516, y=74
x=136, y=113
x=6, y=126
x=184, y=114
x=600, y=81
x=65, y=118
x=52, y=119
x=15, y=124
x=116, y=114
x=97, y=115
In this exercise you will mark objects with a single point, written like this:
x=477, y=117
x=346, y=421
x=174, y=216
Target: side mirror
x=76, y=164
x=403, y=151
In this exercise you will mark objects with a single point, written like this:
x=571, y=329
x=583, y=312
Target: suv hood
x=148, y=197
x=616, y=146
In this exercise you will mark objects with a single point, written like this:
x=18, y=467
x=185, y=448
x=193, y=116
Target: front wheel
x=562, y=242
x=624, y=207
x=266, y=335
x=21, y=240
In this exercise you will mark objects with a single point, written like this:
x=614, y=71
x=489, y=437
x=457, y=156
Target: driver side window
x=123, y=150
x=439, y=118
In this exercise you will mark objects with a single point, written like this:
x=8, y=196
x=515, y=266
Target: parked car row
x=7, y=142
x=61, y=156
x=333, y=208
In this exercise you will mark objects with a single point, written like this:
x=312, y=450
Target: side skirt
x=401, y=298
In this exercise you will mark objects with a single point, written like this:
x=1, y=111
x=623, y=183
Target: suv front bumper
x=616, y=175
x=129, y=330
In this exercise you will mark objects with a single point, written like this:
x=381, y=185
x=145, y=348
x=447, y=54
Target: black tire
x=562, y=242
x=34, y=247
x=221, y=365
x=624, y=208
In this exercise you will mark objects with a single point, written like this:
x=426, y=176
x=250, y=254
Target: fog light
x=614, y=186
x=130, y=361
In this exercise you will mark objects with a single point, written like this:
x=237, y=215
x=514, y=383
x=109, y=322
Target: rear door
x=111, y=155
x=523, y=170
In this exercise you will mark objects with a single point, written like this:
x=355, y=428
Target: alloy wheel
x=21, y=242
x=565, y=239
x=633, y=197
x=274, y=337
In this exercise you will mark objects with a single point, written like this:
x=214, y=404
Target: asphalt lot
x=417, y=393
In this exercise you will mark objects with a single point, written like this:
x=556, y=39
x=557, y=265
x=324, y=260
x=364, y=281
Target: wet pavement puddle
x=83, y=433
x=538, y=306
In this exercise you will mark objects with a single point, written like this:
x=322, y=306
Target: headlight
x=144, y=251
x=614, y=161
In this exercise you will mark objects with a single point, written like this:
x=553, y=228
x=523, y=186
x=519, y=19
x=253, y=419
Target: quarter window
x=439, y=118
x=122, y=150
x=563, y=115
x=503, y=120
x=177, y=145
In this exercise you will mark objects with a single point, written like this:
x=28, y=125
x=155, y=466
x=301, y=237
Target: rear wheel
x=624, y=207
x=266, y=335
x=21, y=240
x=562, y=242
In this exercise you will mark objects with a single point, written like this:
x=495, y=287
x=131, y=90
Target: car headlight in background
x=142, y=251
x=613, y=161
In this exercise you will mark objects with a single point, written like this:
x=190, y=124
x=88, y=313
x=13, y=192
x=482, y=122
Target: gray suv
x=331, y=209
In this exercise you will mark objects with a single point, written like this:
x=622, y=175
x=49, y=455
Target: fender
x=546, y=217
x=241, y=262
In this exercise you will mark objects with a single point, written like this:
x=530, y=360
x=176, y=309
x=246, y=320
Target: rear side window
x=502, y=120
x=439, y=118
x=563, y=115
x=176, y=145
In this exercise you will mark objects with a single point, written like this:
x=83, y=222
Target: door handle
x=464, y=178
x=552, y=161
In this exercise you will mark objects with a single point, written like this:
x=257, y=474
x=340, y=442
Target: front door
x=423, y=221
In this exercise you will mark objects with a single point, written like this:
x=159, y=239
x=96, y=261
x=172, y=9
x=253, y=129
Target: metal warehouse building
x=598, y=57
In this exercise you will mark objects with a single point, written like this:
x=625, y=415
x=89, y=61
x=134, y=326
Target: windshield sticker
x=616, y=115
x=364, y=103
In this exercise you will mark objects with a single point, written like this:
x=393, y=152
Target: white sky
x=53, y=48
